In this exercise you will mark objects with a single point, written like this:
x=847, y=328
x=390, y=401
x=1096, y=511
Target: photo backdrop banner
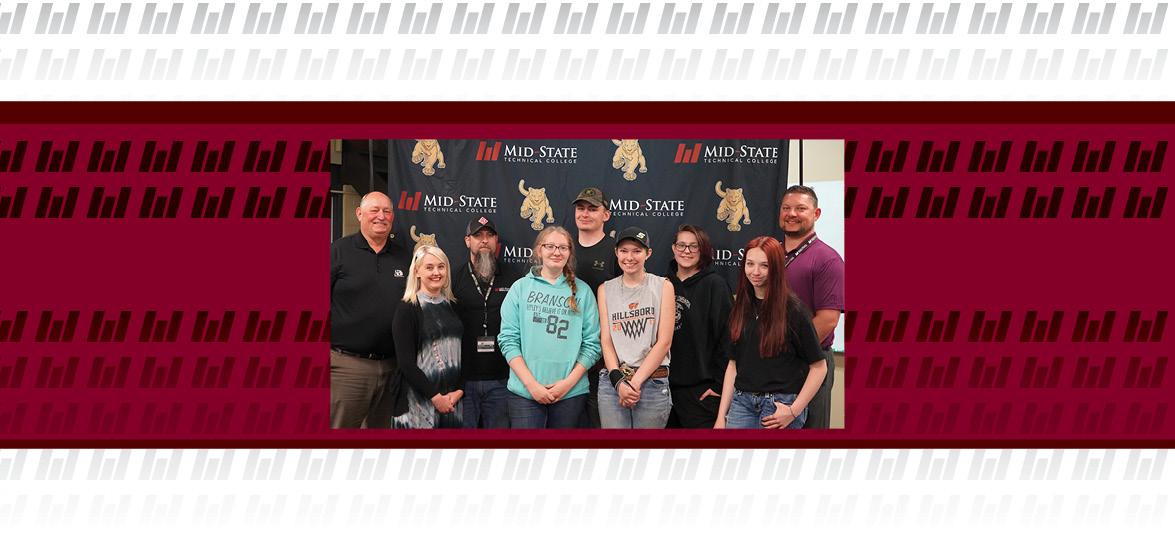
x=731, y=188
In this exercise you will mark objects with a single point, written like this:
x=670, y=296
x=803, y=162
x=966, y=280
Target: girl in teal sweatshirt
x=550, y=334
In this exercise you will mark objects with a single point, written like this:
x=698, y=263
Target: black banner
x=437, y=186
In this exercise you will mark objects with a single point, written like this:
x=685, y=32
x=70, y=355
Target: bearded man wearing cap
x=480, y=285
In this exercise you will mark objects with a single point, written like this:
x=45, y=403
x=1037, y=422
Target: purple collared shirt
x=817, y=276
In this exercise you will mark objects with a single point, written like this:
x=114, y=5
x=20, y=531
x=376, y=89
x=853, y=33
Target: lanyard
x=485, y=305
x=791, y=256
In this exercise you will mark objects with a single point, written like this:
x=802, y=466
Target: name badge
x=485, y=344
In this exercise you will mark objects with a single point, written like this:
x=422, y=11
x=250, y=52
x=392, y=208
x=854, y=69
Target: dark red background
x=957, y=263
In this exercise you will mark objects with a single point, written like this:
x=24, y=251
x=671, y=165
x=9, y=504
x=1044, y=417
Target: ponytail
x=569, y=276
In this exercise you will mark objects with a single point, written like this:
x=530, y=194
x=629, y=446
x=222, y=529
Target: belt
x=660, y=372
x=757, y=393
x=371, y=356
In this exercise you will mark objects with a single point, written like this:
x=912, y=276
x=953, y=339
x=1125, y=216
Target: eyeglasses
x=685, y=247
x=553, y=247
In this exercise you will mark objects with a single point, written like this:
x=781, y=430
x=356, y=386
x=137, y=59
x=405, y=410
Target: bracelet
x=615, y=377
x=793, y=413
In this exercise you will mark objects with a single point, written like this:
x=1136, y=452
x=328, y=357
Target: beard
x=484, y=265
x=803, y=230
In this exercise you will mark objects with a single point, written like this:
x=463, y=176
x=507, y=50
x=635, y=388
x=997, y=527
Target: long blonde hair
x=568, y=268
x=413, y=283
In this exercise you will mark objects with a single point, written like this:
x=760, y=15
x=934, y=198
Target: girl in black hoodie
x=701, y=340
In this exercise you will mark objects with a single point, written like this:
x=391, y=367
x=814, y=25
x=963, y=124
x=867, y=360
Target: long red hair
x=773, y=307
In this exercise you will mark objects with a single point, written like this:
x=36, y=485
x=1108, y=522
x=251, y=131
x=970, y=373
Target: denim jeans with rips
x=747, y=410
x=652, y=411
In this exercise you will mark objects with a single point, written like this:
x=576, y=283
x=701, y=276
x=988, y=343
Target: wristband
x=615, y=377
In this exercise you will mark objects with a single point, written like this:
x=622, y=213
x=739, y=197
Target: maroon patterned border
x=1005, y=292
x=590, y=112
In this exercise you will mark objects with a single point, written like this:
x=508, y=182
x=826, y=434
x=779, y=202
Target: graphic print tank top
x=633, y=314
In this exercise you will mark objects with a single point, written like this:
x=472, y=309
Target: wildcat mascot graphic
x=427, y=153
x=732, y=207
x=628, y=158
x=535, y=205
x=422, y=239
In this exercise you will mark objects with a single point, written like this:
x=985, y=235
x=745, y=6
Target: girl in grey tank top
x=636, y=317
x=632, y=317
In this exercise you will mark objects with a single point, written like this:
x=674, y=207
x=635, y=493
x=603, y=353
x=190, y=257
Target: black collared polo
x=365, y=290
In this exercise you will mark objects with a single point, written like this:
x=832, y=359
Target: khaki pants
x=357, y=390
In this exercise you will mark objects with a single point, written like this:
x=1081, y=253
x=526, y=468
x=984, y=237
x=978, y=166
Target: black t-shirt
x=472, y=308
x=597, y=263
x=365, y=290
x=783, y=373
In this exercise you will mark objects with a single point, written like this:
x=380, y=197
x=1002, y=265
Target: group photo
x=586, y=284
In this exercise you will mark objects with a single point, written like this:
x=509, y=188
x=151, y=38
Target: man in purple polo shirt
x=816, y=274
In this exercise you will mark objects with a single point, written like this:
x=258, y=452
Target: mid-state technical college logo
x=498, y=151
x=516, y=254
x=629, y=158
x=427, y=153
x=647, y=208
x=535, y=206
x=465, y=204
x=408, y=202
x=728, y=257
x=713, y=154
x=732, y=207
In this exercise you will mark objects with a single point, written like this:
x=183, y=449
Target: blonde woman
x=550, y=336
x=427, y=333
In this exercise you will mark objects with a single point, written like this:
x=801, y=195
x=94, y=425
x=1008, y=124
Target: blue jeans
x=528, y=413
x=747, y=410
x=485, y=404
x=652, y=411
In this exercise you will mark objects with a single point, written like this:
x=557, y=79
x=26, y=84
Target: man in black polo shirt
x=480, y=285
x=366, y=284
x=595, y=262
